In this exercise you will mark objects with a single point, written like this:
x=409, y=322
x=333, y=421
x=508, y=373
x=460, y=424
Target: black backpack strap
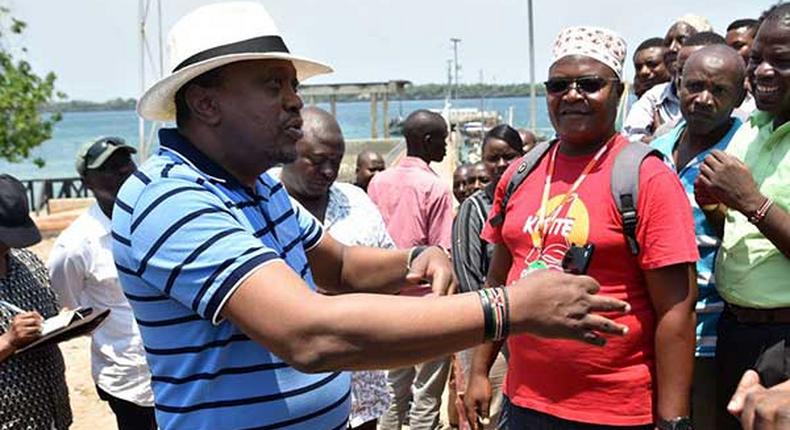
x=527, y=164
x=625, y=187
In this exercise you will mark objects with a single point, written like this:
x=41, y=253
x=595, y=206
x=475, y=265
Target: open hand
x=433, y=265
x=549, y=303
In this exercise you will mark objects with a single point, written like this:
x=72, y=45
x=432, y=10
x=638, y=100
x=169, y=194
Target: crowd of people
x=595, y=279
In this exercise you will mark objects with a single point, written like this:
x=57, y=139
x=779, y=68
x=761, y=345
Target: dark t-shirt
x=471, y=254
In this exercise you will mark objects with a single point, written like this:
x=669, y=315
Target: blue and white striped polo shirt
x=709, y=304
x=186, y=234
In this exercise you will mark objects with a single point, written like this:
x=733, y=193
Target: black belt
x=759, y=316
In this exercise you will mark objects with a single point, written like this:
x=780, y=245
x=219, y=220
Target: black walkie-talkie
x=577, y=260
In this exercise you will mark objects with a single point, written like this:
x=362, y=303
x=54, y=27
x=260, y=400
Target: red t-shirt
x=569, y=379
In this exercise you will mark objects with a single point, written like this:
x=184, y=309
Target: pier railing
x=40, y=191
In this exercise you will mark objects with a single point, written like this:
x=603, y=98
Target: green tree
x=22, y=94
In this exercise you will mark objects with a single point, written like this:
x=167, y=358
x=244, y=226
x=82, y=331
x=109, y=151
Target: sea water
x=76, y=128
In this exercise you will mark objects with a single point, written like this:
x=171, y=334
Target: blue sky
x=92, y=45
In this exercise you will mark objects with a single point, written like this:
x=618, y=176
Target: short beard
x=282, y=155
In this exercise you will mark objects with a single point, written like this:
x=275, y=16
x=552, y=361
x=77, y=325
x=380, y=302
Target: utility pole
x=449, y=79
x=455, y=41
x=141, y=17
x=533, y=117
x=482, y=92
x=147, y=60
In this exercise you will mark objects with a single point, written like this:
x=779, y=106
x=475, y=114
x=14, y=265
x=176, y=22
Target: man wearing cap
x=83, y=273
x=33, y=391
x=221, y=267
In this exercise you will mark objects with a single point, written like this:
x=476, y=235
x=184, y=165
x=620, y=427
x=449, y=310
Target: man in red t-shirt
x=643, y=379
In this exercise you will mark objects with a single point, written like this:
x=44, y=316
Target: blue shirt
x=186, y=234
x=709, y=304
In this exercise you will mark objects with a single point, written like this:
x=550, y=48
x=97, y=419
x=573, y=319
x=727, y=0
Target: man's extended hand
x=433, y=265
x=549, y=303
x=728, y=180
x=759, y=408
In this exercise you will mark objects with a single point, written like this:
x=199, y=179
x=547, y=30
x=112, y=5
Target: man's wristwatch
x=679, y=423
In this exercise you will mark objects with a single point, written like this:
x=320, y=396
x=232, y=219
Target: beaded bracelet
x=758, y=216
x=496, y=313
x=489, y=323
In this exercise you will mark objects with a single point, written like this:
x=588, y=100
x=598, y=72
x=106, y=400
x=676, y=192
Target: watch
x=678, y=423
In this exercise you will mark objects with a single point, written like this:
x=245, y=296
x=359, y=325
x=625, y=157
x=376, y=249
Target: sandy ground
x=90, y=413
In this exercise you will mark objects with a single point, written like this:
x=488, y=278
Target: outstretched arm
x=362, y=331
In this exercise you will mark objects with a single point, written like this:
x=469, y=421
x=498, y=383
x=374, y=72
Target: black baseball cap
x=94, y=153
x=17, y=229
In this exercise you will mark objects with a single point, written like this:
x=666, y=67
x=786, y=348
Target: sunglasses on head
x=584, y=84
x=99, y=147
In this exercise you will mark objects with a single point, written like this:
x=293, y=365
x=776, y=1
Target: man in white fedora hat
x=221, y=267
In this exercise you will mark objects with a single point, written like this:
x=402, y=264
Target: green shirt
x=750, y=270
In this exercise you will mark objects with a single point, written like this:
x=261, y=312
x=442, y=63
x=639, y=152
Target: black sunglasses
x=584, y=84
x=99, y=147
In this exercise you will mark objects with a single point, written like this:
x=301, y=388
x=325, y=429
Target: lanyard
x=544, y=222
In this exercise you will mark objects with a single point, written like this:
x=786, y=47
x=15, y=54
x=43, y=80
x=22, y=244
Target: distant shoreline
x=414, y=92
x=117, y=104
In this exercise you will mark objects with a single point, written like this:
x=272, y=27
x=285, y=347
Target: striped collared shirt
x=186, y=235
x=709, y=303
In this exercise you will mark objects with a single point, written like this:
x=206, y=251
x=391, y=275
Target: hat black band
x=261, y=44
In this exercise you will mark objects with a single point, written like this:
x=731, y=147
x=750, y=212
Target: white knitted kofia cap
x=700, y=23
x=600, y=44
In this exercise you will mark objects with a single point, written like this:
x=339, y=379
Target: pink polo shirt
x=416, y=205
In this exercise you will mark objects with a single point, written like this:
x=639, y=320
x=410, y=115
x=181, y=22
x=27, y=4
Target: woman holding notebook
x=33, y=391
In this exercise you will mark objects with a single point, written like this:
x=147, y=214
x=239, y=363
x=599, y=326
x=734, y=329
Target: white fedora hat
x=212, y=36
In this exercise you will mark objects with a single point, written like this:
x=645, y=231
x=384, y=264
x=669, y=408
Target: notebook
x=67, y=325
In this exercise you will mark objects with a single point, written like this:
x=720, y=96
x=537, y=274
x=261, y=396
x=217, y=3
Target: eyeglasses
x=99, y=147
x=584, y=84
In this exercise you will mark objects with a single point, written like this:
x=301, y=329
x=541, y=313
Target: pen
x=12, y=306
